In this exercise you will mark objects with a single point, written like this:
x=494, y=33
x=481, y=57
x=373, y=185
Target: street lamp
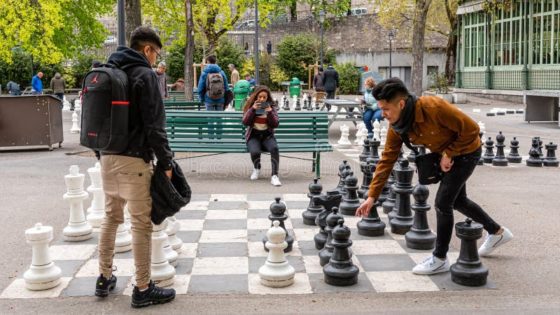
x=257, y=43
x=391, y=37
x=321, y=20
x=120, y=23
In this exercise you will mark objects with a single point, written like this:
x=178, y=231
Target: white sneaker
x=275, y=181
x=493, y=241
x=431, y=265
x=255, y=174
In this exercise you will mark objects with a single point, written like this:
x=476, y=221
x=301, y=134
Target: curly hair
x=370, y=82
x=255, y=94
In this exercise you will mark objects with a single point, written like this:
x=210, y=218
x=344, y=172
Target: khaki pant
x=126, y=180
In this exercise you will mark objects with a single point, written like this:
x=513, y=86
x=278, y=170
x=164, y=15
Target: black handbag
x=427, y=165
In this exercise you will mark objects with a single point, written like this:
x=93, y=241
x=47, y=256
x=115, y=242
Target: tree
x=295, y=52
x=133, y=16
x=189, y=51
x=419, y=26
x=51, y=30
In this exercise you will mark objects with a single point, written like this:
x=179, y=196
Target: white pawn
x=170, y=254
x=78, y=229
x=376, y=129
x=77, y=104
x=163, y=274
x=65, y=104
x=383, y=135
x=294, y=101
x=276, y=271
x=43, y=274
x=96, y=212
x=344, y=134
x=361, y=134
x=75, y=128
x=173, y=227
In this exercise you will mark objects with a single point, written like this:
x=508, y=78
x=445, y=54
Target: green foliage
x=229, y=53
x=349, y=77
x=19, y=71
x=175, y=59
x=276, y=77
x=80, y=67
x=440, y=82
x=295, y=52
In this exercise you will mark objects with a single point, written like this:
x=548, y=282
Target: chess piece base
x=309, y=216
x=423, y=240
x=340, y=277
x=469, y=274
x=76, y=237
x=487, y=159
x=534, y=163
x=400, y=226
x=349, y=208
x=277, y=275
x=39, y=278
x=371, y=227
x=320, y=240
x=514, y=159
x=550, y=163
x=163, y=274
x=500, y=162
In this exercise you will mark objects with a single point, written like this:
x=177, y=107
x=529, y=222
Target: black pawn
x=345, y=173
x=468, y=270
x=534, y=156
x=372, y=224
x=286, y=104
x=374, y=150
x=488, y=155
x=420, y=236
x=500, y=158
x=327, y=251
x=513, y=156
x=389, y=202
x=278, y=213
x=368, y=168
x=550, y=159
x=329, y=202
x=366, y=151
x=540, y=146
x=402, y=222
x=309, y=215
x=481, y=160
x=350, y=201
x=298, y=105
x=341, y=169
x=305, y=103
x=340, y=270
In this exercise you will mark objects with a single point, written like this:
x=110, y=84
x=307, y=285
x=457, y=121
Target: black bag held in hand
x=427, y=165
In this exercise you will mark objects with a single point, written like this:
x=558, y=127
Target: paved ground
x=522, y=198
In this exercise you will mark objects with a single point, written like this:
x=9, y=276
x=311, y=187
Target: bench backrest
x=186, y=105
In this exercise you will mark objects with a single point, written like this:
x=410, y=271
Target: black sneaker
x=104, y=285
x=152, y=295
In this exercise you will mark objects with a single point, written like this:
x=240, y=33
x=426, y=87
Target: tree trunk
x=419, y=27
x=451, y=56
x=189, y=51
x=293, y=11
x=133, y=16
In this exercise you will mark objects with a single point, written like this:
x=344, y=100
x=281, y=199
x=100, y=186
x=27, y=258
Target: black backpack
x=105, y=109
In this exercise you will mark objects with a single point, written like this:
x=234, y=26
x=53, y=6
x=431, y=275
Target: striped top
x=260, y=122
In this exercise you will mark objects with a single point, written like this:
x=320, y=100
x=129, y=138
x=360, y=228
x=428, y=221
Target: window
x=474, y=40
x=545, y=32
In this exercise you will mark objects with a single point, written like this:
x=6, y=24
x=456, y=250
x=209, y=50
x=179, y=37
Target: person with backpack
x=213, y=85
x=13, y=88
x=128, y=87
x=58, y=85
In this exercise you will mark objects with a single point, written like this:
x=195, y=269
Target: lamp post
x=256, y=42
x=391, y=37
x=321, y=20
x=121, y=37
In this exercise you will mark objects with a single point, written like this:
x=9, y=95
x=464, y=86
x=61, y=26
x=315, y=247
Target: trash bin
x=295, y=87
x=240, y=92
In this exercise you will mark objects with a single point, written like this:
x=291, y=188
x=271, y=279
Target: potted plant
x=442, y=86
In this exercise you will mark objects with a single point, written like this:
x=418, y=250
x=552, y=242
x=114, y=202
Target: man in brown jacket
x=441, y=127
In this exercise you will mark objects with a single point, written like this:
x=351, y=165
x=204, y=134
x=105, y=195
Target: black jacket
x=330, y=79
x=147, y=114
x=168, y=196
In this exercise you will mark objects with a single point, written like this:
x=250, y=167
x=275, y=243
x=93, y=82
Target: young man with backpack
x=127, y=132
x=212, y=86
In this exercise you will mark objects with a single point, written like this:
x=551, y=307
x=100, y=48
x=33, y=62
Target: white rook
x=43, y=274
x=78, y=229
x=276, y=271
x=75, y=128
x=96, y=211
x=163, y=273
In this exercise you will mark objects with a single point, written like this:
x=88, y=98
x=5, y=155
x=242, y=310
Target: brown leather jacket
x=439, y=126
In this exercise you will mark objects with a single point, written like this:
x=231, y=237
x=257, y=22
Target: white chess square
x=295, y=197
x=226, y=214
x=72, y=252
x=220, y=266
x=312, y=264
x=258, y=205
x=295, y=213
x=196, y=205
x=256, y=249
x=376, y=247
x=264, y=224
x=125, y=267
x=301, y=285
x=228, y=197
x=17, y=290
x=420, y=257
x=225, y=236
x=188, y=250
x=191, y=225
x=305, y=234
x=400, y=281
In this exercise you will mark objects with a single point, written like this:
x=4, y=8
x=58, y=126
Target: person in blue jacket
x=37, y=84
x=210, y=95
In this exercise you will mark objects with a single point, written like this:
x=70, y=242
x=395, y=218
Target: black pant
x=452, y=194
x=263, y=141
x=330, y=95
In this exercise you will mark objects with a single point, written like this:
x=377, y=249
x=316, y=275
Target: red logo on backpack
x=94, y=80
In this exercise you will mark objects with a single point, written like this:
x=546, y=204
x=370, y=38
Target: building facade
x=518, y=49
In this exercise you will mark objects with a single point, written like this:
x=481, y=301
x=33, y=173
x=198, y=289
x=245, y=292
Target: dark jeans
x=369, y=116
x=216, y=123
x=263, y=141
x=60, y=96
x=330, y=95
x=452, y=194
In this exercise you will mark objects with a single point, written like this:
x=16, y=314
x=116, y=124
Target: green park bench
x=180, y=96
x=182, y=105
x=188, y=131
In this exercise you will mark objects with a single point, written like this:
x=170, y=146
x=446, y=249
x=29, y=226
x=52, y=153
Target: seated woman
x=371, y=111
x=261, y=118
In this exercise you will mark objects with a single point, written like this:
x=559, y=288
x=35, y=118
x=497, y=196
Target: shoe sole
x=427, y=273
x=104, y=293
x=493, y=248
x=145, y=304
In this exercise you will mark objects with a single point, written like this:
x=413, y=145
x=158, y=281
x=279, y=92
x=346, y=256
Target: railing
x=511, y=80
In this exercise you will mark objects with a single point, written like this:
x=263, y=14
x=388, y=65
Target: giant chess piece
x=534, y=159
x=376, y=130
x=372, y=224
x=488, y=155
x=513, y=156
x=340, y=270
x=163, y=273
x=365, y=151
x=278, y=213
x=344, y=134
x=391, y=197
x=173, y=226
x=468, y=270
x=170, y=254
x=540, y=146
x=350, y=201
x=317, y=105
x=500, y=158
x=294, y=100
x=550, y=159
x=276, y=271
x=75, y=128
x=286, y=103
x=326, y=253
x=367, y=168
x=361, y=134
x=402, y=222
x=374, y=150
x=383, y=136
x=420, y=236
x=482, y=128
x=412, y=154
x=43, y=274
x=298, y=105
x=123, y=239
x=313, y=209
x=347, y=170
x=78, y=229
x=329, y=202
x=304, y=100
x=96, y=212
x=341, y=169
